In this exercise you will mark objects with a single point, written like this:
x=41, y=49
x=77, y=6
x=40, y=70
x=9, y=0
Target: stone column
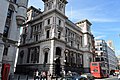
x=52, y=51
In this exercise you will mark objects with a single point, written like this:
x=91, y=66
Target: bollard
x=26, y=77
x=19, y=77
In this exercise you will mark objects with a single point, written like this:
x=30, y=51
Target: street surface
x=23, y=77
x=110, y=78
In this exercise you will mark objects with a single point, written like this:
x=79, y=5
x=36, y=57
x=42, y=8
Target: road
x=110, y=78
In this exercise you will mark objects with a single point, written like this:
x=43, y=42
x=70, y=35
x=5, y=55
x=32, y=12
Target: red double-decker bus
x=98, y=69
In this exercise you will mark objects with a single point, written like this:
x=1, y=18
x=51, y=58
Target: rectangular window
x=59, y=22
x=36, y=37
x=100, y=48
x=78, y=46
x=9, y=14
x=25, y=30
x=97, y=59
x=59, y=34
x=46, y=57
x=40, y=25
x=81, y=41
x=6, y=29
x=94, y=64
x=71, y=43
x=47, y=35
x=5, y=51
x=48, y=21
x=31, y=32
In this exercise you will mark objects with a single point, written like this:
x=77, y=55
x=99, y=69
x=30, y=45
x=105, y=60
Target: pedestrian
x=37, y=74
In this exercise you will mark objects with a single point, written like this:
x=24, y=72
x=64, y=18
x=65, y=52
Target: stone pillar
x=52, y=57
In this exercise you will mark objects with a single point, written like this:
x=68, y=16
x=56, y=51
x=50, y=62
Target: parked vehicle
x=73, y=74
x=88, y=75
x=119, y=77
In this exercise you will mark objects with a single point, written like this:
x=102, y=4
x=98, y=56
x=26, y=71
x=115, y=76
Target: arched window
x=46, y=50
x=58, y=51
x=34, y=55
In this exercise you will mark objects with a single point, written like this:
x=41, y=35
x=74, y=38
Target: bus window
x=95, y=70
x=94, y=64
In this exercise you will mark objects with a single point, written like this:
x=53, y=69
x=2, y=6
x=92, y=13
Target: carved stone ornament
x=60, y=28
x=47, y=27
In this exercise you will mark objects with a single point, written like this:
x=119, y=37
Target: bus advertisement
x=98, y=70
x=5, y=71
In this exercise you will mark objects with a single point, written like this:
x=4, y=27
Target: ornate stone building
x=51, y=42
x=12, y=15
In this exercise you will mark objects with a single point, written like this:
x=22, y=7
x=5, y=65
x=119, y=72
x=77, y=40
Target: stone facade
x=101, y=53
x=11, y=16
x=51, y=42
x=112, y=59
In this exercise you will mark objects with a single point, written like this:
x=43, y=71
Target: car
x=73, y=74
x=73, y=78
x=119, y=77
x=88, y=75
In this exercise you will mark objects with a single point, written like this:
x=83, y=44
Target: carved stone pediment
x=59, y=28
x=46, y=49
x=47, y=27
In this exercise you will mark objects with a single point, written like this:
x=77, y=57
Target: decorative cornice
x=88, y=34
x=9, y=41
x=40, y=16
x=59, y=28
x=73, y=25
x=73, y=48
x=33, y=43
x=47, y=27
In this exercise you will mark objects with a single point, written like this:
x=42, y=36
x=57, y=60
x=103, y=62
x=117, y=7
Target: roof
x=64, y=1
x=31, y=7
x=84, y=21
